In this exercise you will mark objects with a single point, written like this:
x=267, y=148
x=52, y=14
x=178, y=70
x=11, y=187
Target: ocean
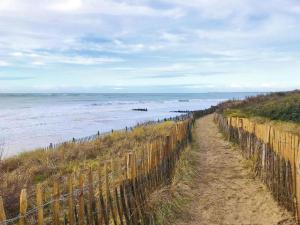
x=29, y=121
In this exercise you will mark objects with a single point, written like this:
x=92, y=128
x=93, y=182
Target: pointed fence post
x=56, y=210
x=23, y=206
x=2, y=212
x=149, y=151
x=133, y=166
x=70, y=201
x=99, y=208
x=81, y=200
x=128, y=166
x=106, y=181
x=39, y=203
x=91, y=196
x=107, y=193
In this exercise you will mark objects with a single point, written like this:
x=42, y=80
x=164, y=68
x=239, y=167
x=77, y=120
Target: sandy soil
x=227, y=191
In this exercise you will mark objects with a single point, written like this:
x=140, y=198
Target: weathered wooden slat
x=119, y=208
x=39, y=204
x=124, y=205
x=81, y=200
x=70, y=201
x=107, y=208
x=92, y=205
x=23, y=207
x=2, y=212
x=112, y=209
x=56, y=204
x=99, y=208
x=103, y=209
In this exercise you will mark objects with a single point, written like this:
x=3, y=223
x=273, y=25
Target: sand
x=227, y=192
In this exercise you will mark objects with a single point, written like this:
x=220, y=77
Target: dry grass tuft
x=170, y=202
x=43, y=166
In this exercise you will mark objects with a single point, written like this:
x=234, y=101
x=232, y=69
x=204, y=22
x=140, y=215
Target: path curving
x=227, y=191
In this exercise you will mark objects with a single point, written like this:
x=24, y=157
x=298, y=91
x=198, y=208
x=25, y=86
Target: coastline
x=44, y=166
x=37, y=122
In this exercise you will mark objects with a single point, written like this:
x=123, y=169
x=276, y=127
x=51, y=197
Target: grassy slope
x=282, y=106
x=170, y=203
x=30, y=168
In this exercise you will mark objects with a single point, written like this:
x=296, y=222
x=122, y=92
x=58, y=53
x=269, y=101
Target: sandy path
x=228, y=194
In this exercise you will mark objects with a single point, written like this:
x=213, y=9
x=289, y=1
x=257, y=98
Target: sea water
x=29, y=121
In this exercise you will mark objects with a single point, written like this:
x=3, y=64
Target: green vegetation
x=282, y=106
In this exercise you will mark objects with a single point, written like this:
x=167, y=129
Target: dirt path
x=228, y=194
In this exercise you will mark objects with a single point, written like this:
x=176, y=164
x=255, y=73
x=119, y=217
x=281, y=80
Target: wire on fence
x=144, y=171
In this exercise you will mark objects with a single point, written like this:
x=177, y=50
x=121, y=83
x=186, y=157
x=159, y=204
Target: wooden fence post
x=124, y=172
x=128, y=167
x=107, y=193
x=39, y=203
x=110, y=205
x=106, y=182
x=143, y=164
x=56, y=199
x=149, y=164
x=91, y=196
x=23, y=206
x=81, y=200
x=2, y=212
x=70, y=201
x=99, y=208
x=120, y=213
x=133, y=166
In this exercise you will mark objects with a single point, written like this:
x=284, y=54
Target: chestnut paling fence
x=114, y=192
x=276, y=155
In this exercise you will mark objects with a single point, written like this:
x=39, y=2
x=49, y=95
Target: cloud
x=3, y=63
x=99, y=7
x=69, y=5
x=44, y=58
x=173, y=38
x=200, y=42
x=13, y=78
x=86, y=60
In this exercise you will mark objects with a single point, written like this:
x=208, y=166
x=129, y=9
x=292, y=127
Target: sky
x=149, y=46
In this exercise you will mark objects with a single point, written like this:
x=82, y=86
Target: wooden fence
x=276, y=154
x=101, y=134
x=114, y=192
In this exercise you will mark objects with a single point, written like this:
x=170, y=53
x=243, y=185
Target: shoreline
x=34, y=121
x=93, y=137
x=31, y=125
x=43, y=167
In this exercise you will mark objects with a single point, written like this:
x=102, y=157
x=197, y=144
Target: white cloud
x=173, y=38
x=44, y=58
x=17, y=54
x=38, y=63
x=100, y=7
x=84, y=60
x=4, y=63
x=161, y=39
x=214, y=8
x=67, y=5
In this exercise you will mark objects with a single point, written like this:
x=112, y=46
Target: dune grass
x=43, y=166
x=281, y=106
x=170, y=204
x=280, y=110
